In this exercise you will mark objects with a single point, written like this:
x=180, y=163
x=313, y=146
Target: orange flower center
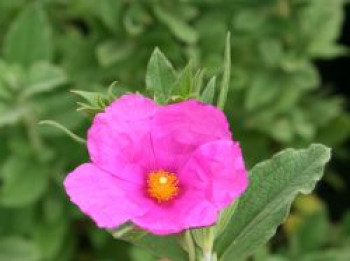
x=162, y=185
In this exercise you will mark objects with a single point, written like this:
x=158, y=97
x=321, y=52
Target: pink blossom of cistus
x=164, y=168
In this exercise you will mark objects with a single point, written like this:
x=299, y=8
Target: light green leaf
x=177, y=26
x=11, y=116
x=18, y=249
x=29, y=37
x=266, y=203
x=209, y=91
x=43, y=77
x=160, y=76
x=24, y=182
x=111, y=52
x=225, y=82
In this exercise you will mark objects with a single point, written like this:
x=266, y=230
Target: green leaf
x=225, y=218
x=312, y=233
x=165, y=246
x=139, y=254
x=225, y=82
x=43, y=77
x=263, y=90
x=183, y=85
x=29, y=37
x=209, y=91
x=50, y=238
x=24, y=182
x=136, y=19
x=18, y=249
x=12, y=221
x=111, y=52
x=11, y=77
x=160, y=76
x=197, y=83
x=11, y=116
x=334, y=254
x=177, y=26
x=109, y=12
x=266, y=203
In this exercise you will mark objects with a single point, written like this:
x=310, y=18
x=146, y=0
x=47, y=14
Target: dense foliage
x=275, y=100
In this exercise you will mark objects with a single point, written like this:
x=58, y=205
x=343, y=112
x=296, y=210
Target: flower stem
x=208, y=245
x=190, y=246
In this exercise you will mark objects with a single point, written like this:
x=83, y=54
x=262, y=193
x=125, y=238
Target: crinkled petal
x=100, y=196
x=120, y=136
x=188, y=211
x=179, y=129
x=218, y=169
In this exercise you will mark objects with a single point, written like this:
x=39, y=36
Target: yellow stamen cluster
x=162, y=185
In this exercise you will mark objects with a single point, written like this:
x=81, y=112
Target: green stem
x=208, y=245
x=190, y=246
x=64, y=129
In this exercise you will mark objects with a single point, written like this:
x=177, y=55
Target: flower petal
x=189, y=211
x=218, y=168
x=121, y=135
x=100, y=196
x=179, y=129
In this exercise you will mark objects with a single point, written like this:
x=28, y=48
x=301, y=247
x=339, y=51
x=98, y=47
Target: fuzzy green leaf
x=265, y=205
x=160, y=76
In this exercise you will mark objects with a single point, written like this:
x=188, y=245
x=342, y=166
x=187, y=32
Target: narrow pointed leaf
x=183, y=84
x=209, y=91
x=225, y=82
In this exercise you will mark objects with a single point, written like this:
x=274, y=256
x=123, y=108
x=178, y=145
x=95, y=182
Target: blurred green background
x=280, y=96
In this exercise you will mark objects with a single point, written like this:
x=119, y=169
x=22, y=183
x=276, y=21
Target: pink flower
x=165, y=168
